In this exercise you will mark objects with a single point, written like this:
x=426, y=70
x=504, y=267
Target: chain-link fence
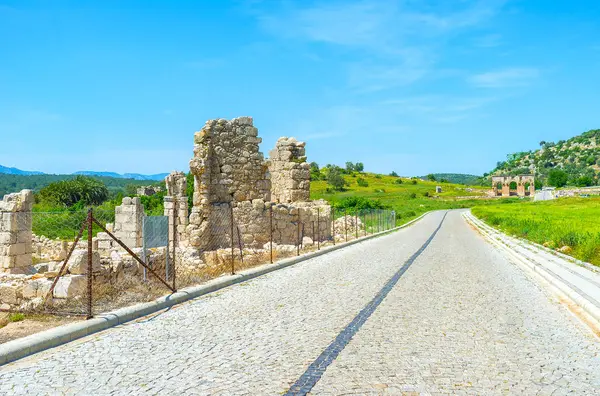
x=89, y=261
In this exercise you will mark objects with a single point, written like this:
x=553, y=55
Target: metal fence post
x=364, y=220
x=333, y=224
x=174, y=238
x=313, y=232
x=318, y=228
x=89, y=264
x=299, y=241
x=232, y=240
x=346, y=224
x=271, y=233
x=356, y=223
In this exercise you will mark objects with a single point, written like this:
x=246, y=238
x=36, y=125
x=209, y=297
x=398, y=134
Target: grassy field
x=407, y=199
x=572, y=222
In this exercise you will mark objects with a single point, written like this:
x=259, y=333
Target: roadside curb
x=23, y=347
x=560, y=287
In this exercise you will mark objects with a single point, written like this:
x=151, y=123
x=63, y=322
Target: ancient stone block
x=78, y=263
x=70, y=286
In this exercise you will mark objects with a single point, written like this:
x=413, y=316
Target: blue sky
x=411, y=86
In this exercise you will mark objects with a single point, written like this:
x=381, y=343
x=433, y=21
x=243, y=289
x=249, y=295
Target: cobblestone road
x=461, y=319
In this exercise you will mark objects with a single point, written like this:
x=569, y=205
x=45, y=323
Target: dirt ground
x=30, y=325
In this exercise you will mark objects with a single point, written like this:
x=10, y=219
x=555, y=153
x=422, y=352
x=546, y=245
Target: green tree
x=557, y=178
x=362, y=182
x=335, y=179
x=431, y=177
x=350, y=167
x=394, y=174
x=359, y=167
x=67, y=193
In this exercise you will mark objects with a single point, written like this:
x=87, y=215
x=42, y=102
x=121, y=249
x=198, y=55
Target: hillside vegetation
x=14, y=183
x=408, y=197
x=575, y=161
x=569, y=224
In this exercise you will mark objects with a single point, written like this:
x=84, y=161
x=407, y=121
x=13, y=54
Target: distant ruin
x=231, y=176
x=524, y=185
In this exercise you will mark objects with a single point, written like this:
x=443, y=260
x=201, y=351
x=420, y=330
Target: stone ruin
x=525, y=185
x=15, y=232
x=231, y=176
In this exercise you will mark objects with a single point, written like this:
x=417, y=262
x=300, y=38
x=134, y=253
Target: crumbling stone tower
x=227, y=167
x=290, y=173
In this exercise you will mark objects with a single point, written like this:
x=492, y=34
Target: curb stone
x=26, y=346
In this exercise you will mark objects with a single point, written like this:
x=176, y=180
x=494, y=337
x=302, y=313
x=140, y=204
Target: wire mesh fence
x=83, y=262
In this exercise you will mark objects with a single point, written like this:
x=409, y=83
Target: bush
x=413, y=195
x=426, y=194
x=377, y=176
x=431, y=177
x=398, y=181
x=69, y=192
x=557, y=178
x=414, y=181
x=394, y=174
x=335, y=179
x=360, y=203
x=16, y=317
x=362, y=182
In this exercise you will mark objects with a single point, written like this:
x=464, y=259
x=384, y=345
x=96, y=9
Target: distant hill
x=579, y=157
x=12, y=183
x=457, y=178
x=134, y=176
x=15, y=171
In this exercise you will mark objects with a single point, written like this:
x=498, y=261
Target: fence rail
x=85, y=263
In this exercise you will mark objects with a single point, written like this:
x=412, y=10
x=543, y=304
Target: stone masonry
x=290, y=173
x=227, y=167
x=15, y=232
x=176, y=204
x=231, y=176
x=128, y=222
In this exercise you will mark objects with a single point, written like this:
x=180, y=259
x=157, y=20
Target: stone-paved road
x=461, y=319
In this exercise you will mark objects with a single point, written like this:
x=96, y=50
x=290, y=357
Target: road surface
x=430, y=309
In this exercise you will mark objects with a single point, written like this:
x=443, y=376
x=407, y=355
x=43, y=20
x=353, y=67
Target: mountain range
x=135, y=176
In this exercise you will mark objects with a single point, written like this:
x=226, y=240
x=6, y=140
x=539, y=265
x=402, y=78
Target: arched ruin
x=525, y=185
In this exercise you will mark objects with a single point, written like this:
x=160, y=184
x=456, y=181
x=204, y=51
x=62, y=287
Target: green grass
x=407, y=199
x=572, y=222
x=16, y=317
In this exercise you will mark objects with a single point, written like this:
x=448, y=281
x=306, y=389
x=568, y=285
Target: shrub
x=398, y=181
x=377, y=176
x=557, y=178
x=16, y=317
x=414, y=181
x=426, y=194
x=413, y=195
x=362, y=182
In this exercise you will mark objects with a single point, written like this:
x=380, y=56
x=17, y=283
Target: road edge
x=586, y=312
x=34, y=343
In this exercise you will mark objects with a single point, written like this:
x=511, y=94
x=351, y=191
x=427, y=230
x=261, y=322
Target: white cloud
x=505, y=78
x=400, y=39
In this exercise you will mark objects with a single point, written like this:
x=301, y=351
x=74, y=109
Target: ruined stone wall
x=15, y=232
x=227, y=167
x=128, y=222
x=254, y=221
x=290, y=173
x=176, y=205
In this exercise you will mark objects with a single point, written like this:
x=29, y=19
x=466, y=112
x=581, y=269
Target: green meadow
x=573, y=223
x=409, y=198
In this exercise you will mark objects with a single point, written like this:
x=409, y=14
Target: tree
x=82, y=189
x=394, y=174
x=557, y=178
x=350, y=167
x=315, y=172
x=359, y=167
x=584, y=181
x=335, y=179
x=431, y=177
